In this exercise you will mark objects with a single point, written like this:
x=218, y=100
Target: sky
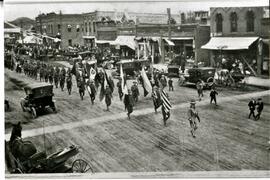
x=27, y=8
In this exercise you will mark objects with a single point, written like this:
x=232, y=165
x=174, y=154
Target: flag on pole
x=166, y=102
x=123, y=81
x=147, y=87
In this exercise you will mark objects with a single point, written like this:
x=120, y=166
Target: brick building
x=68, y=27
x=240, y=33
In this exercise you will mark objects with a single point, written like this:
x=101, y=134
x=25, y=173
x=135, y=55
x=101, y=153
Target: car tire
x=33, y=112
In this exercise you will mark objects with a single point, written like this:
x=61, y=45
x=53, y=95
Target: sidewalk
x=257, y=81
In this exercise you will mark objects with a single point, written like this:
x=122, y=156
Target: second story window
x=219, y=21
x=78, y=28
x=250, y=21
x=59, y=27
x=94, y=27
x=69, y=28
x=90, y=27
x=233, y=18
x=85, y=26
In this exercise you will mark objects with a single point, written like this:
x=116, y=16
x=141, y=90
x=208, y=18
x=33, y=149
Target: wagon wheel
x=33, y=112
x=81, y=166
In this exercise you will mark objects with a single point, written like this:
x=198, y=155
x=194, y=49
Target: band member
x=135, y=91
x=108, y=96
x=252, y=105
x=259, y=108
x=120, y=92
x=192, y=116
x=213, y=94
x=69, y=84
x=156, y=98
x=129, y=103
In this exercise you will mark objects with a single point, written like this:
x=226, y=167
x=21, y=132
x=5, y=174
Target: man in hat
x=213, y=94
x=135, y=91
x=129, y=103
x=170, y=82
x=252, y=105
x=163, y=81
x=259, y=108
x=108, y=96
x=192, y=116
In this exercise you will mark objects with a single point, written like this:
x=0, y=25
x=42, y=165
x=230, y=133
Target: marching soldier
x=156, y=98
x=259, y=108
x=252, y=106
x=81, y=86
x=69, y=84
x=135, y=91
x=199, y=87
x=192, y=116
x=62, y=81
x=51, y=75
x=213, y=94
x=93, y=91
x=108, y=96
x=119, y=86
x=56, y=76
x=129, y=103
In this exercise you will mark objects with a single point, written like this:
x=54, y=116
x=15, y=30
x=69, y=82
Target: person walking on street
x=192, y=116
x=252, y=106
x=120, y=92
x=213, y=94
x=163, y=81
x=170, y=82
x=93, y=91
x=129, y=103
x=135, y=91
x=259, y=108
x=69, y=84
x=156, y=98
x=108, y=97
x=81, y=86
x=199, y=87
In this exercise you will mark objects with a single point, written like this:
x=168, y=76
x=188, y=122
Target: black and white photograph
x=136, y=89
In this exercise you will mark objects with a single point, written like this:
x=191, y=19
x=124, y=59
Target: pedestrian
x=69, y=84
x=135, y=91
x=156, y=98
x=81, y=86
x=199, y=87
x=192, y=116
x=213, y=94
x=252, y=106
x=119, y=86
x=163, y=81
x=170, y=82
x=93, y=91
x=129, y=103
x=259, y=108
x=108, y=96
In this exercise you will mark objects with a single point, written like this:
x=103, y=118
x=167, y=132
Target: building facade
x=67, y=27
x=249, y=28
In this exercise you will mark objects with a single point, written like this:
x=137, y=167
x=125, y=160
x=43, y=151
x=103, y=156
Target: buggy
x=38, y=97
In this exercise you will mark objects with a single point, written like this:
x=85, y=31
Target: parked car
x=38, y=97
x=193, y=75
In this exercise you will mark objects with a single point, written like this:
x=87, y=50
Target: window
x=250, y=21
x=94, y=27
x=82, y=28
x=233, y=19
x=219, y=21
x=69, y=28
x=90, y=29
x=59, y=27
x=70, y=42
x=52, y=29
x=85, y=27
x=78, y=28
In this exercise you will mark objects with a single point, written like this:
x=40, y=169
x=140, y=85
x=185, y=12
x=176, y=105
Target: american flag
x=165, y=102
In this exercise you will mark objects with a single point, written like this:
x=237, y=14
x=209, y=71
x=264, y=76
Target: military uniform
x=135, y=92
x=192, y=116
x=108, y=97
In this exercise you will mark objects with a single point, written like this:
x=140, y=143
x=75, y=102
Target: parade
x=151, y=101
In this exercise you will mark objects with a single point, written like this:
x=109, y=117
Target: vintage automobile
x=38, y=97
x=193, y=75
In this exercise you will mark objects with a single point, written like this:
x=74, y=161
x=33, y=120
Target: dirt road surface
x=226, y=138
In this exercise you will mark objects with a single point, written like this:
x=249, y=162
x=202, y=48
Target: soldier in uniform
x=252, y=106
x=259, y=108
x=129, y=103
x=163, y=81
x=81, y=86
x=135, y=91
x=213, y=94
x=69, y=84
x=199, y=87
x=62, y=81
x=192, y=116
x=108, y=96
x=56, y=76
x=156, y=98
x=119, y=86
x=51, y=73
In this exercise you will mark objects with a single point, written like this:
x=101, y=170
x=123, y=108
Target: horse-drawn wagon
x=23, y=157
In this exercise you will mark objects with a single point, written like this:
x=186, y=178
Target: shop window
x=85, y=27
x=94, y=27
x=69, y=28
x=59, y=27
x=233, y=19
x=90, y=29
x=250, y=21
x=219, y=20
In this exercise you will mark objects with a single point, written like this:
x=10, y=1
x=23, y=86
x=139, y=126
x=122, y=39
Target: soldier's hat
x=192, y=101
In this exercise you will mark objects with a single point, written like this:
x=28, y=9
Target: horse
x=20, y=149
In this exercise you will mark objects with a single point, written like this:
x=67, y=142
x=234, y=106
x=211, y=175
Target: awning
x=182, y=38
x=32, y=40
x=229, y=43
x=104, y=42
x=125, y=41
x=170, y=43
x=12, y=30
x=89, y=37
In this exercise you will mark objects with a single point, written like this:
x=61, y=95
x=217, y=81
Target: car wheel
x=33, y=112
